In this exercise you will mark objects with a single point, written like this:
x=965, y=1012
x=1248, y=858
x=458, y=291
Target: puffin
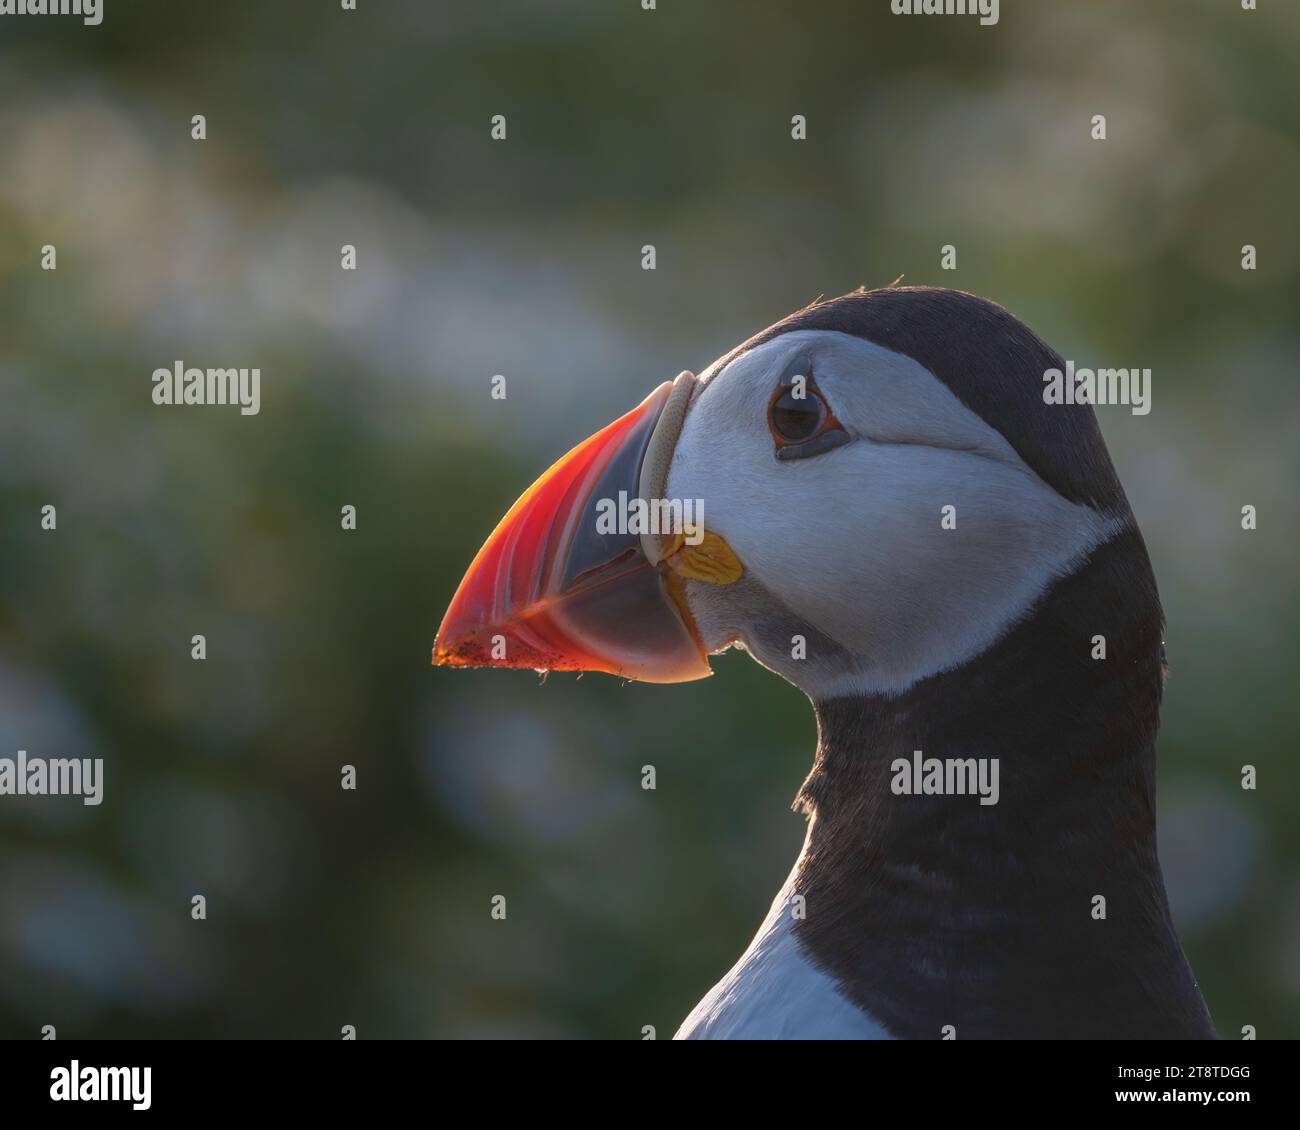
x=889, y=514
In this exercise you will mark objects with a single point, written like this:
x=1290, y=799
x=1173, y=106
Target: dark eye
x=801, y=421
x=794, y=419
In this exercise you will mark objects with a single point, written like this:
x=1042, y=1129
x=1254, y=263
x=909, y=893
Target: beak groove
x=653, y=480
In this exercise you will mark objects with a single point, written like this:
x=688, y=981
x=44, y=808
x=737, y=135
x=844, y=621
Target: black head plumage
x=992, y=362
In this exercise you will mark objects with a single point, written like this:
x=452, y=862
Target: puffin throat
x=936, y=910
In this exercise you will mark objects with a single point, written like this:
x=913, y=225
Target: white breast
x=775, y=993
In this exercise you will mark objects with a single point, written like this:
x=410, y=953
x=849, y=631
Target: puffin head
x=868, y=492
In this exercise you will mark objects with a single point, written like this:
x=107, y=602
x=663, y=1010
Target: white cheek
x=856, y=544
x=929, y=562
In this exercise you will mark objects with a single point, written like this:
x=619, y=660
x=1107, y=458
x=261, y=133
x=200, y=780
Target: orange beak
x=550, y=591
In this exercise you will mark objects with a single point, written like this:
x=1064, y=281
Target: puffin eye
x=800, y=420
x=795, y=420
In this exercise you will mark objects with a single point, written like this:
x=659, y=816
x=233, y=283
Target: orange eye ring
x=802, y=425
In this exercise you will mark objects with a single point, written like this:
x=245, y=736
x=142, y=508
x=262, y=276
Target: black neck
x=937, y=910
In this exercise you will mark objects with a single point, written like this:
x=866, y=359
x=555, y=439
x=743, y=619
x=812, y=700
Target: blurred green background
x=522, y=258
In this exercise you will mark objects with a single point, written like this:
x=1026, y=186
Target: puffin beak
x=552, y=589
